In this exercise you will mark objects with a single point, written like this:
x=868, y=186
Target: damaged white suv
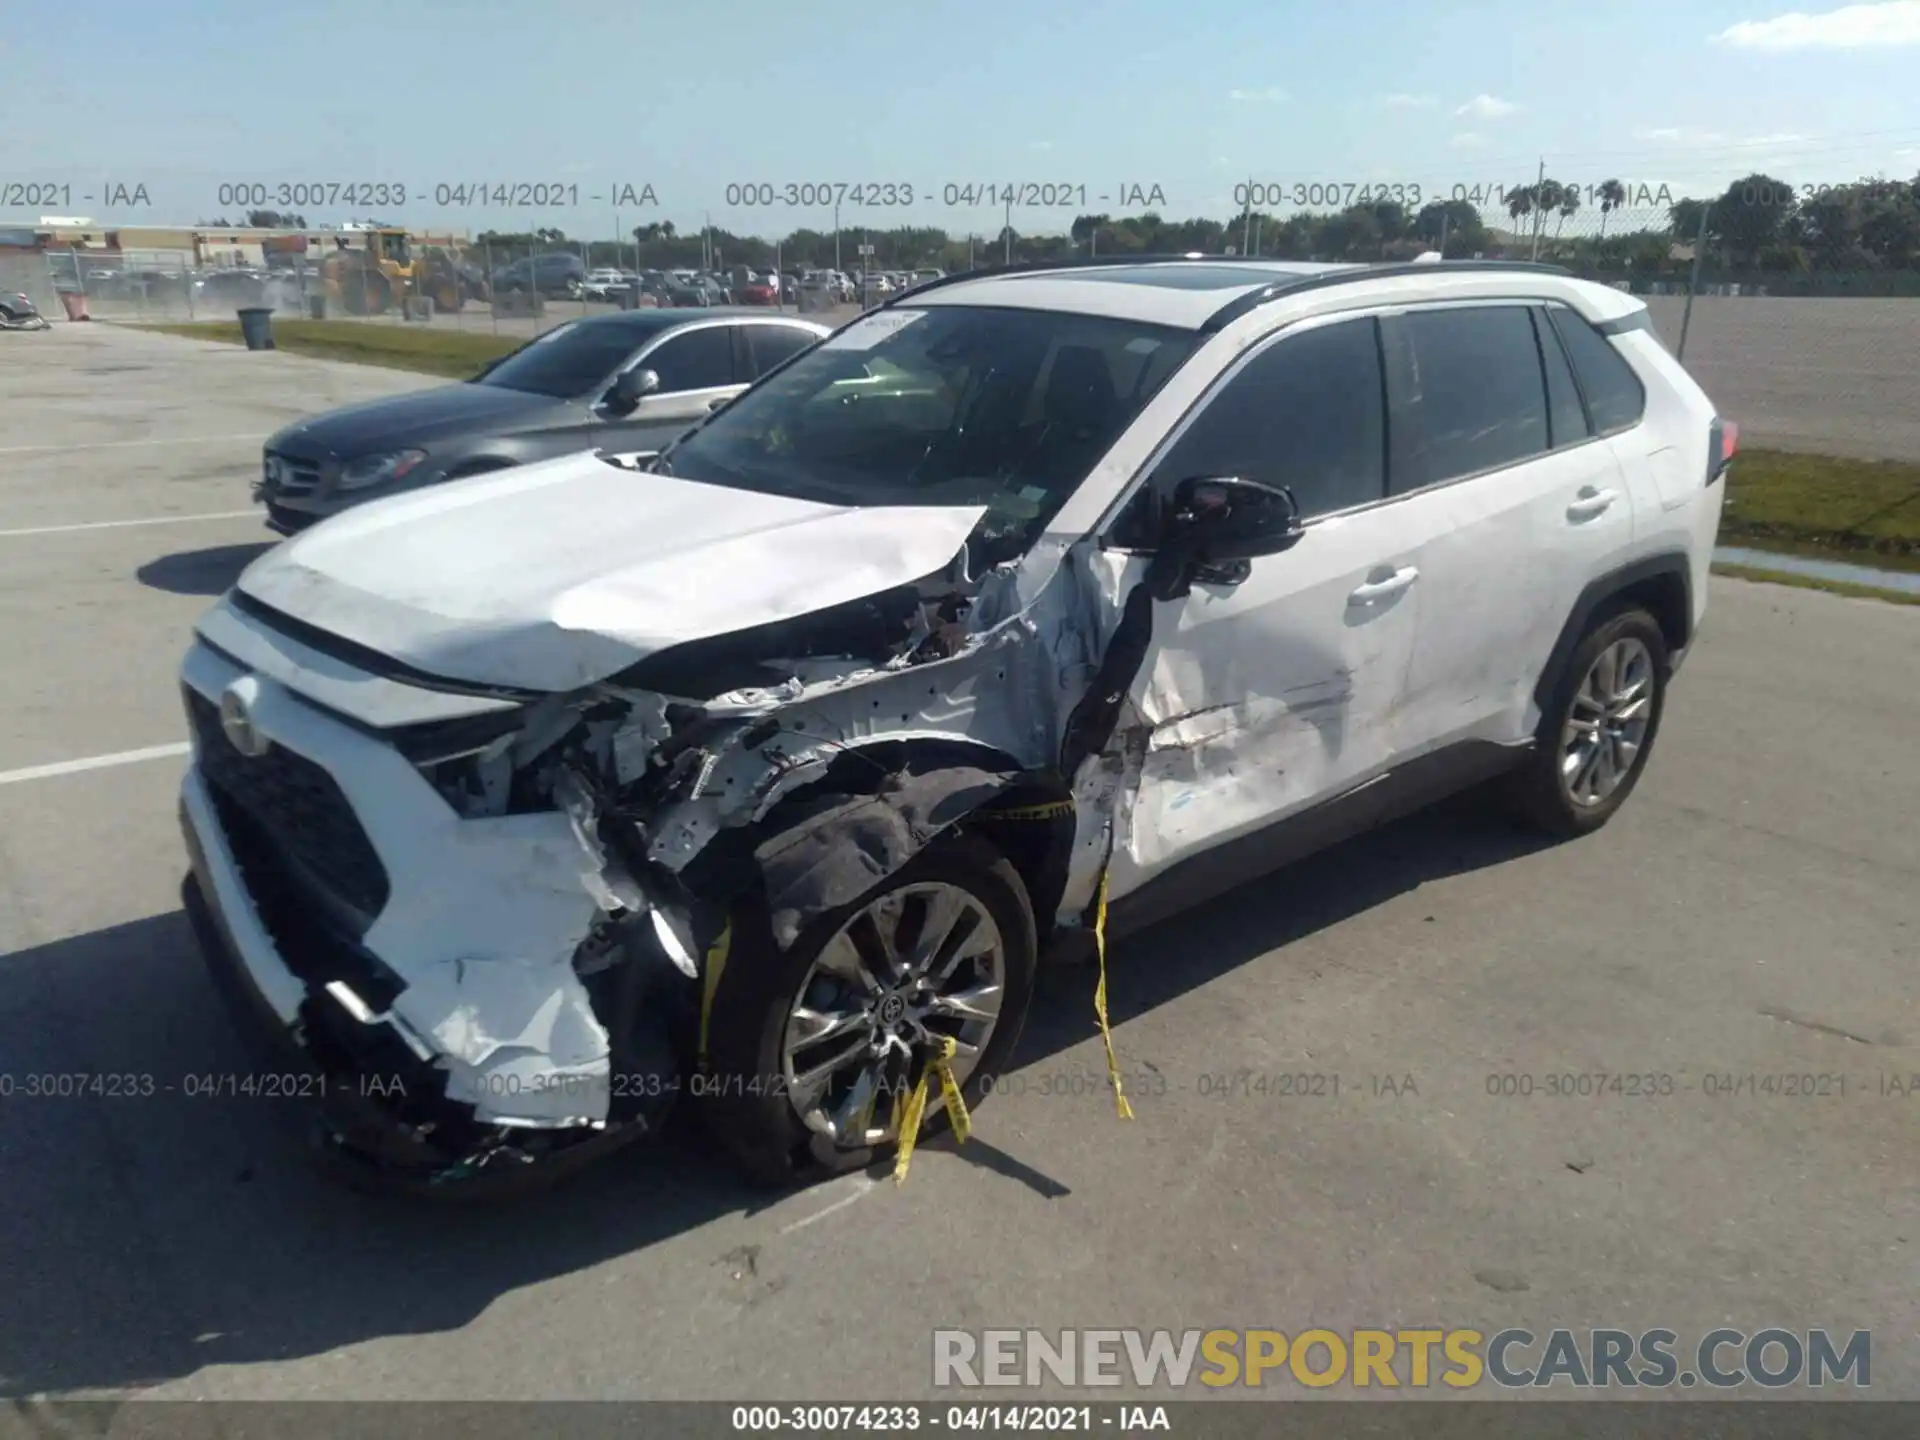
x=767, y=767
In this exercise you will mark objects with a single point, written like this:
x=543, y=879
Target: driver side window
x=1308, y=412
x=697, y=360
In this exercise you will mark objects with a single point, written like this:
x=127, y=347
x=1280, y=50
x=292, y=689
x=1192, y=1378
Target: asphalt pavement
x=1753, y=912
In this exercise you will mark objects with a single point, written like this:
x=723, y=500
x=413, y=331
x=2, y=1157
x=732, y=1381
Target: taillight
x=1723, y=442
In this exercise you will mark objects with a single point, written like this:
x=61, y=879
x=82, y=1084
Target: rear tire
x=1597, y=730
x=752, y=1100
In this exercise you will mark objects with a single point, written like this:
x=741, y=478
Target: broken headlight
x=469, y=760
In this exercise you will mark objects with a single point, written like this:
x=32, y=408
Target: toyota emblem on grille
x=236, y=717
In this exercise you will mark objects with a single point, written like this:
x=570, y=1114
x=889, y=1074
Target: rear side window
x=775, y=343
x=1615, y=397
x=1566, y=418
x=1481, y=397
x=1309, y=413
x=694, y=360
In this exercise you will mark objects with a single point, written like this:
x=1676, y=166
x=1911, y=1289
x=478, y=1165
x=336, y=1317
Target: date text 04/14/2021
x=890, y=1418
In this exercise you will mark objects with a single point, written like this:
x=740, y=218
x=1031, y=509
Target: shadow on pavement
x=150, y=1232
x=201, y=572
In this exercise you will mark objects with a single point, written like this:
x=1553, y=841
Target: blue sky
x=1191, y=98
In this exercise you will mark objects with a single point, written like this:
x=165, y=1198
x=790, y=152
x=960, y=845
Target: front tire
x=808, y=1048
x=1597, y=731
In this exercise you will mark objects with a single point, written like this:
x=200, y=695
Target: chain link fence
x=1794, y=301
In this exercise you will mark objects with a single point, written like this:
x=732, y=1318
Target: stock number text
x=859, y=194
x=1258, y=194
x=257, y=195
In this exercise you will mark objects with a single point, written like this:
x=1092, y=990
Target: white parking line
x=93, y=762
x=864, y=1188
x=128, y=444
x=123, y=524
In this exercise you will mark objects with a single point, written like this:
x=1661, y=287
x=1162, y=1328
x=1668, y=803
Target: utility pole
x=1006, y=231
x=836, y=237
x=1693, y=280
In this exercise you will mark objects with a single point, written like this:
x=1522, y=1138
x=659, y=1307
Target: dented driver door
x=1264, y=697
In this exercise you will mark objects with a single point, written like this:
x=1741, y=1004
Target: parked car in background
x=235, y=289
x=626, y=382
x=556, y=275
x=607, y=283
x=685, y=291
x=760, y=290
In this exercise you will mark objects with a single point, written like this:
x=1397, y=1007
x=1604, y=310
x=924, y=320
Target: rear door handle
x=1591, y=502
x=1392, y=584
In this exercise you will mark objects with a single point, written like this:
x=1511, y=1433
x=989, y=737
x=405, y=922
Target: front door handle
x=1392, y=583
x=1591, y=503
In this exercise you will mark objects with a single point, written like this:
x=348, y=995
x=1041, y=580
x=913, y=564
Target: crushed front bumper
x=452, y=1040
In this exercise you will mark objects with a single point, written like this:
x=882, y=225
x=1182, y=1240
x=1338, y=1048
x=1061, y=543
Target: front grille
x=298, y=809
x=284, y=475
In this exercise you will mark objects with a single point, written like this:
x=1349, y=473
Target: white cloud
x=1486, y=107
x=1270, y=95
x=1041, y=145
x=1468, y=140
x=1402, y=101
x=1679, y=135
x=1852, y=27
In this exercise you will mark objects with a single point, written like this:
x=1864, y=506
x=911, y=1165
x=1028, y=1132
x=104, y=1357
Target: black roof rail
x=1041, y=267
x=1347, y=271
x=1234, y=309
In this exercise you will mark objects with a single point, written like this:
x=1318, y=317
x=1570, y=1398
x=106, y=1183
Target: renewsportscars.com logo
x=1772, y=1358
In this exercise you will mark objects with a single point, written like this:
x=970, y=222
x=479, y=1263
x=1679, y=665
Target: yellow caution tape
x=1100, y=1002
x=910, y=1115
x=716, y=962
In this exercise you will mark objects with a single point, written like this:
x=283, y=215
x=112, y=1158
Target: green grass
x=1812, y=582
x=1866, y=512
x=455, y=354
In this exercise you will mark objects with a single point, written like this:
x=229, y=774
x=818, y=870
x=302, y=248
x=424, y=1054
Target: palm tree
x=1519, y=205
x=1569, y=203
x=1612, y=195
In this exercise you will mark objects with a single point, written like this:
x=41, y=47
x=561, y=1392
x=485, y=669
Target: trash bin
x=75, y=305
x=317, y=307
x=256, y=326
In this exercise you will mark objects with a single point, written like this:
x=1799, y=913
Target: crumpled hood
x=555, y=575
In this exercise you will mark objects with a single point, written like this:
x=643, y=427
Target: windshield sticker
x=1144, y=345
x=869, y=330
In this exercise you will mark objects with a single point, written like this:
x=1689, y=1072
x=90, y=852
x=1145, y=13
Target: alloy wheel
x=919, y=965
x=1606, y=725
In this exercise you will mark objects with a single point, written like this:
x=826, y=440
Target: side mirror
x=1223, y=519
x=630, y=387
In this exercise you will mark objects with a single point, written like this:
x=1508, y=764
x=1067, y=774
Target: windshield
x=950, y=405
x=567, y=363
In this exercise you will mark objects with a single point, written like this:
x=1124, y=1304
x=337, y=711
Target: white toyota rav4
x=770, y=767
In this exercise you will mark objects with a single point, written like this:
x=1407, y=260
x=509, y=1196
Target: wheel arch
x=1661, y=584
x=878, y=804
